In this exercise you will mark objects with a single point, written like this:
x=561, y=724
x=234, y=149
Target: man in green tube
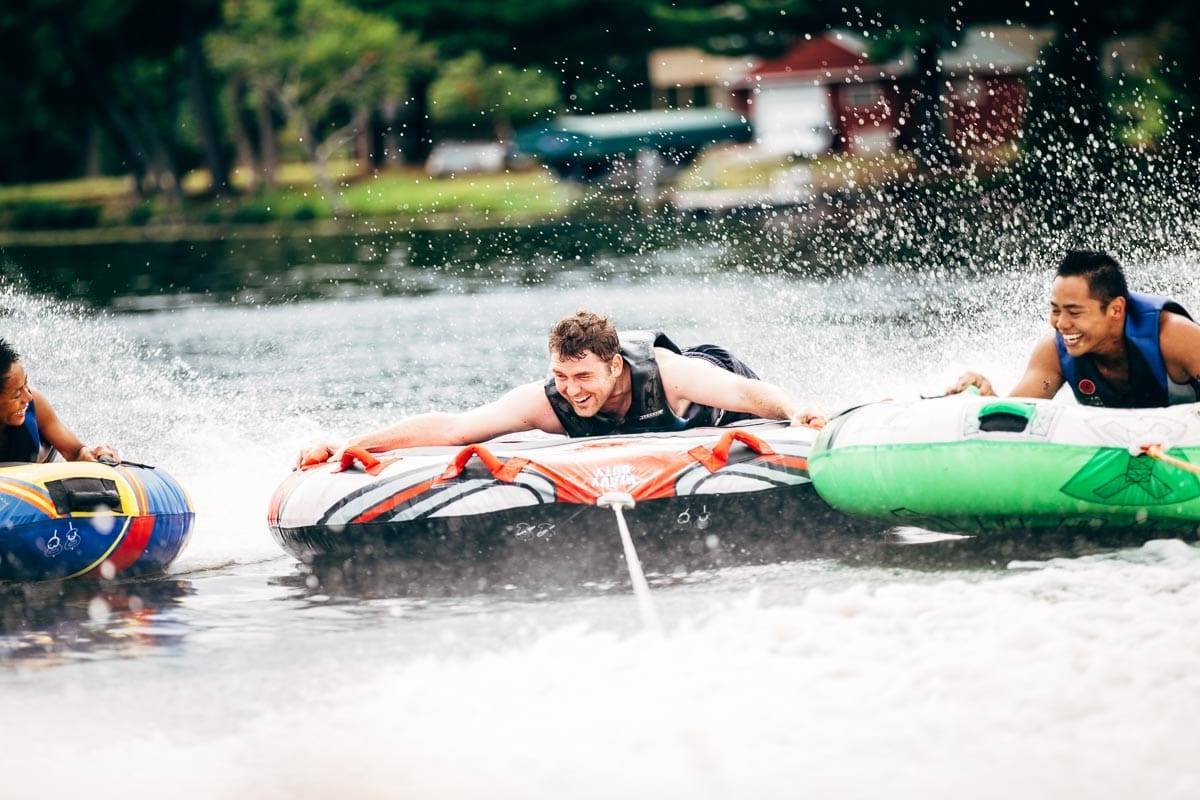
x=1113, y=347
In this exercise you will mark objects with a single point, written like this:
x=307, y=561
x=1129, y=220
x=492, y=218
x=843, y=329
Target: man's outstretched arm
x=1042, y=379
x=698, y=381
x=522, y=409
x=62, y=438
x=1043, y=376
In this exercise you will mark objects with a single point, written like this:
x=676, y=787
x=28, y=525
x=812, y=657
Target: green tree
x=468, y=91
x=250, y=75
x=595, y=49
x=126, y=61
x=326, y=64
x=194, y=19
x=1180, y=71
x=44, y=120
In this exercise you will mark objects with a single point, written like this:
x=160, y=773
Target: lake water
x=241, y=674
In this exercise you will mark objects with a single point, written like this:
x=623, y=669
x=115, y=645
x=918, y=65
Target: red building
x=827, y=95
x=987, y=98
x=823, y=95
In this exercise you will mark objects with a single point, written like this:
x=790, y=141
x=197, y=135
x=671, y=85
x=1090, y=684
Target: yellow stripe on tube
x=37, y=500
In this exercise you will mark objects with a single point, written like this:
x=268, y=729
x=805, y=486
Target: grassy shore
x=107, y=209
x=403, y=197
x=742, y=167
x=408, y=195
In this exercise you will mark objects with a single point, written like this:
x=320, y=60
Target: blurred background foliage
x=163, y=92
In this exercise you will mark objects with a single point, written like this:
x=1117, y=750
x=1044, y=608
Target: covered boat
x=971, y=464
x=72, y=519
x=699, y=489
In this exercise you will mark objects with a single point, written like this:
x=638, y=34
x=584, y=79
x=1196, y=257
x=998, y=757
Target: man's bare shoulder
x=1171, y=324
x=679, y=370
x=45, y=410
x=665, y=354
x=1179, y=340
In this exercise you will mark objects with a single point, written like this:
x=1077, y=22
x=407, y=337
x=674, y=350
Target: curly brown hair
x=573, y=336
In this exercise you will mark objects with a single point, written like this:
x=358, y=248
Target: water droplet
x=98, y=609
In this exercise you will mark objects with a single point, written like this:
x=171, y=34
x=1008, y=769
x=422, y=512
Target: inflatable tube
x=453, y=503
x=970, y=464
x=72, y=519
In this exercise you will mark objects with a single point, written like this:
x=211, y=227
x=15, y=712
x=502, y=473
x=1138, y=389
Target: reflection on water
x=250, y=267
x=251, y=270
x=52, y=623
x=232, y=605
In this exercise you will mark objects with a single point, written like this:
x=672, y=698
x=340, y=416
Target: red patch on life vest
x=1087, y=387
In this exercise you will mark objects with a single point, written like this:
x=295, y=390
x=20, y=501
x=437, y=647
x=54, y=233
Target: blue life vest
x=22, y=443
x=1149, y=383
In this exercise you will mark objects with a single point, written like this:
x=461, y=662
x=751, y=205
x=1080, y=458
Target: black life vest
x=1149, y=383
x=648, y=408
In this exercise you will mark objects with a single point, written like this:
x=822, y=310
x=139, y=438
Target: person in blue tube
x=30, y=430
x=1113, y=347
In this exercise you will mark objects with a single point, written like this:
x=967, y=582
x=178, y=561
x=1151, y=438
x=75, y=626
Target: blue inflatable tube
x=80, y=519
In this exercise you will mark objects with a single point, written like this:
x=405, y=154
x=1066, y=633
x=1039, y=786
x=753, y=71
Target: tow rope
x=1159, y=453
x=618, y=502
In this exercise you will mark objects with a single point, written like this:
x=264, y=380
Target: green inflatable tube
x=970, y=464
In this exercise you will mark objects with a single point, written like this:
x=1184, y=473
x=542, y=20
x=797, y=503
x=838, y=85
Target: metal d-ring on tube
x=618, y=502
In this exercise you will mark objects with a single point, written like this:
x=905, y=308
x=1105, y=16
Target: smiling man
x=601, y=383
x=1114, y=347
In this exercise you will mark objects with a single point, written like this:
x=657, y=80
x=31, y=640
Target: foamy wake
x=1075, y=678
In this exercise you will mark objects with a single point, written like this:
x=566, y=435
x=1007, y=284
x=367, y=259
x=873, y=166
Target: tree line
x=157, y=89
